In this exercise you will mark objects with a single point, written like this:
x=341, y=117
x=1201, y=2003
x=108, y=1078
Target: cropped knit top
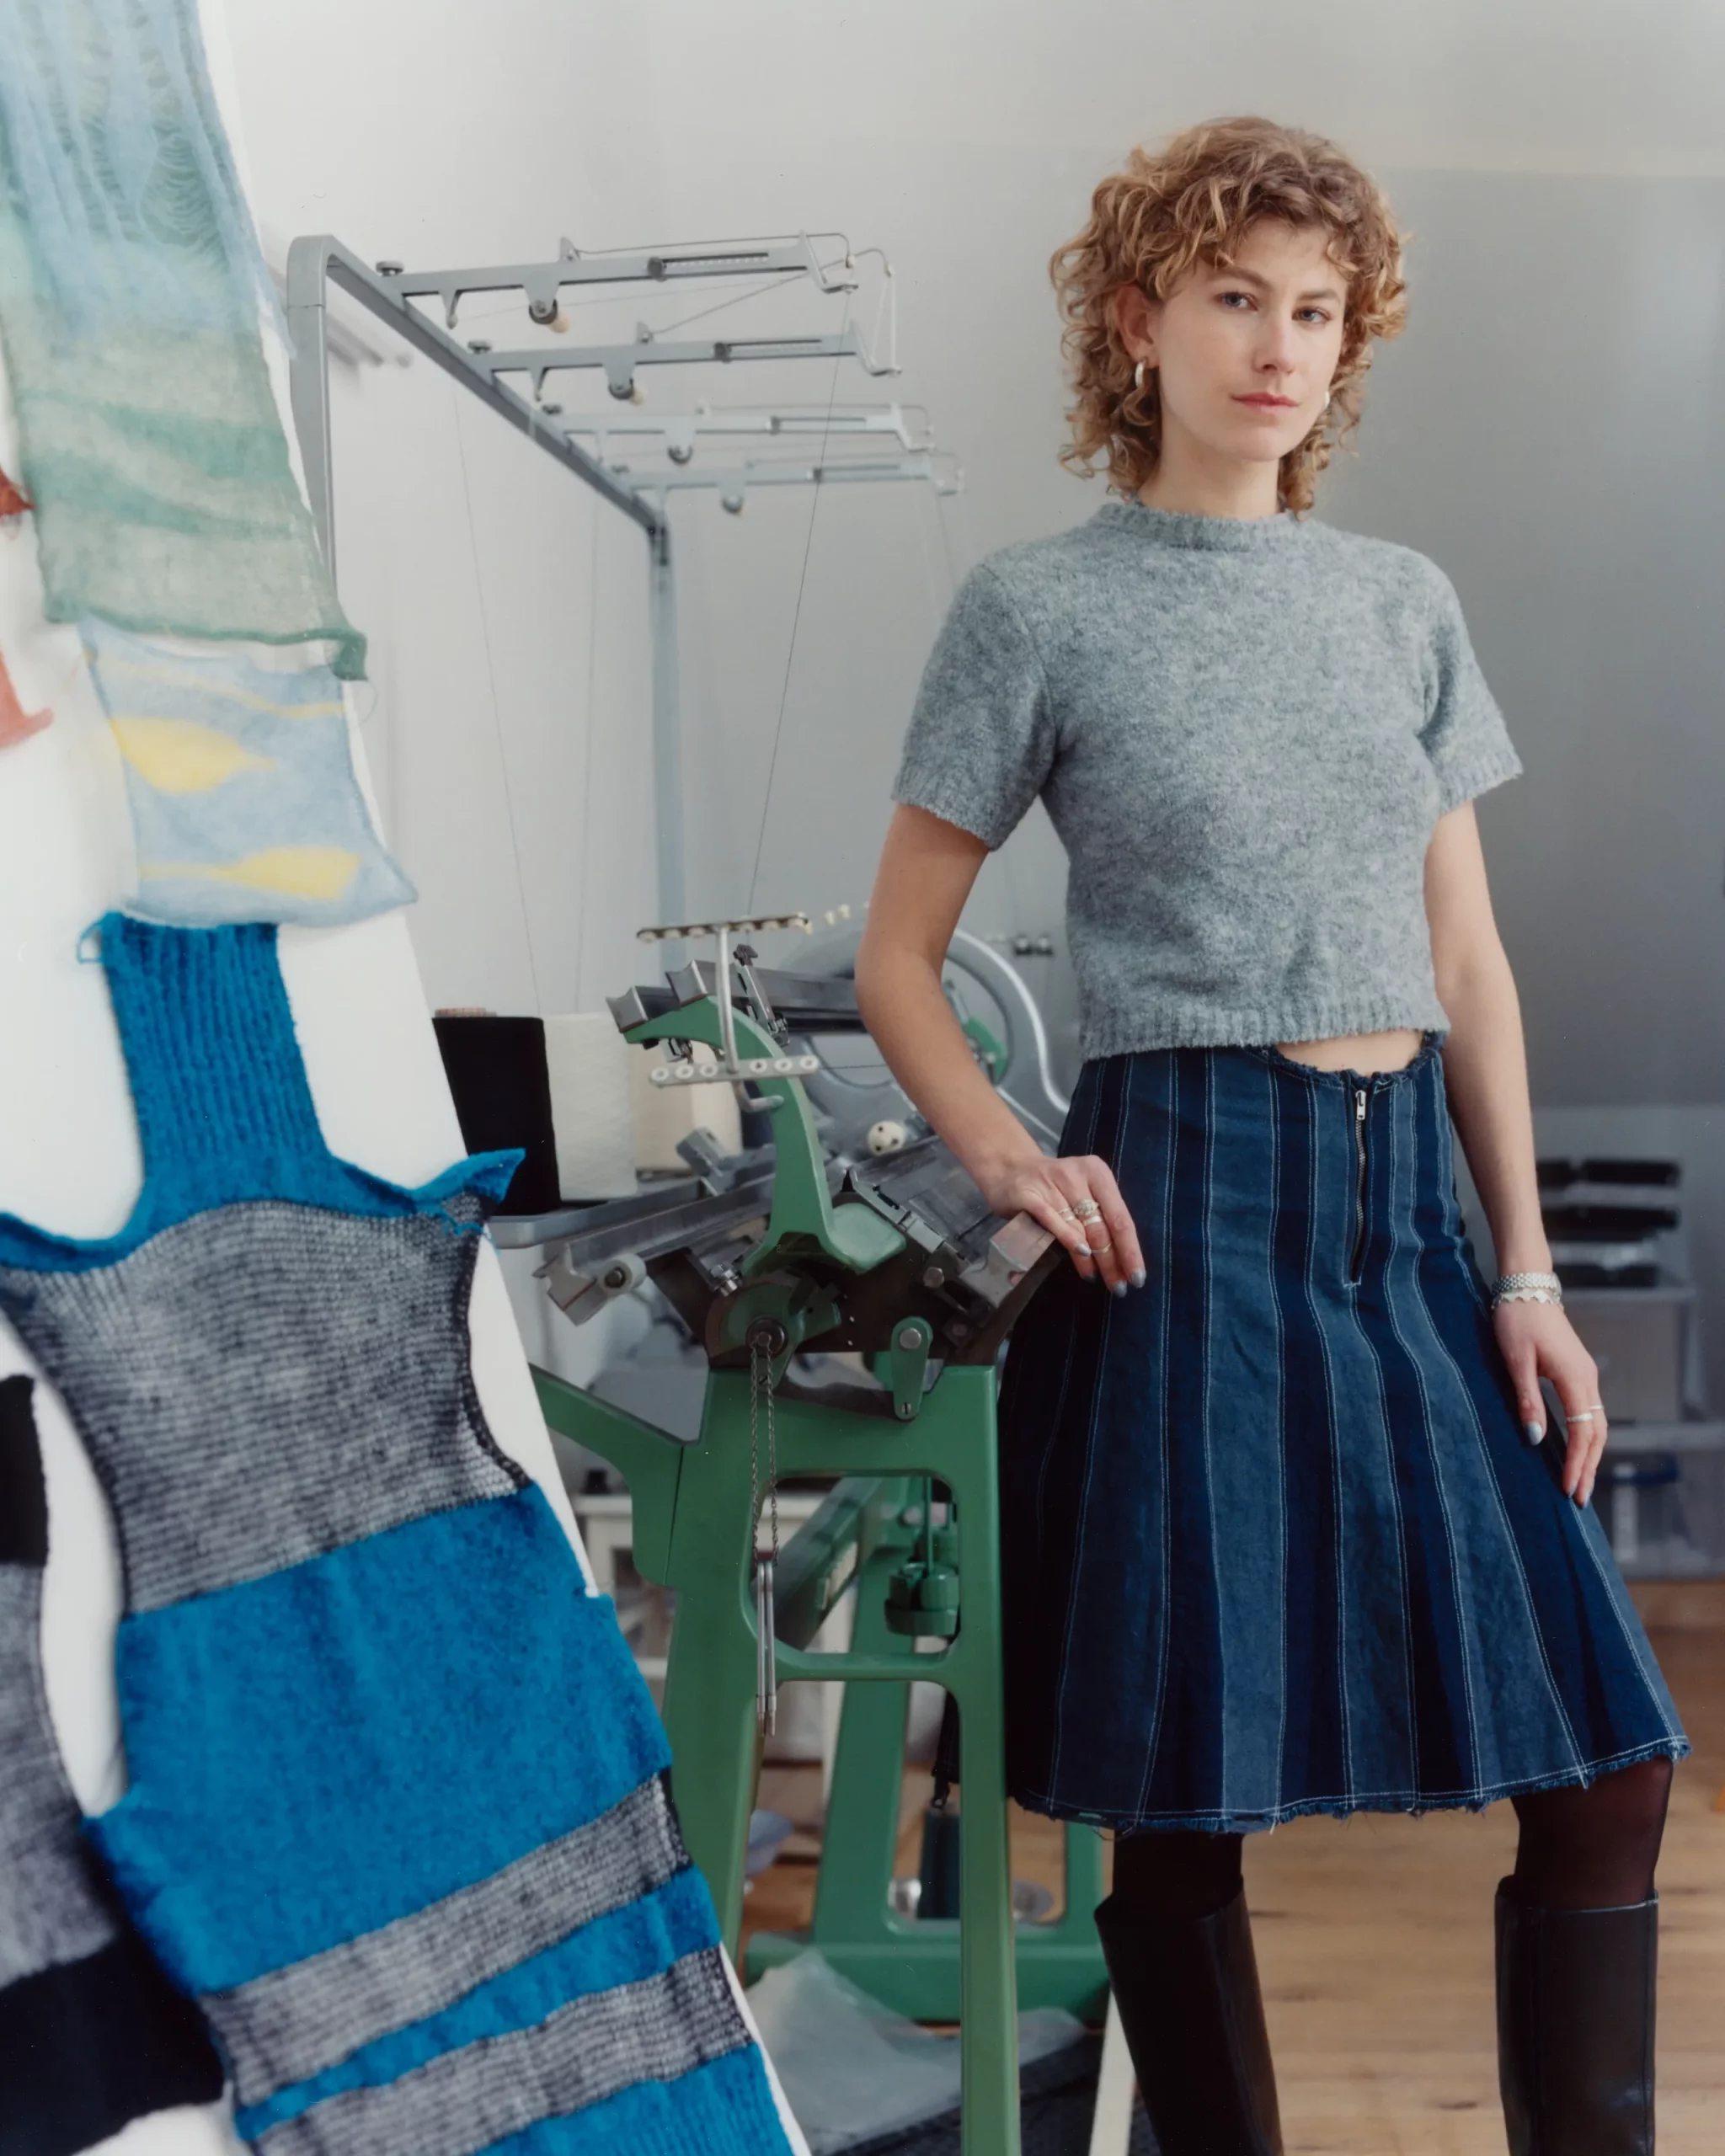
x=1245, y=730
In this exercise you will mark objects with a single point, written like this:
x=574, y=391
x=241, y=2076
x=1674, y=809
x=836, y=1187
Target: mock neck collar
x=1171, y=527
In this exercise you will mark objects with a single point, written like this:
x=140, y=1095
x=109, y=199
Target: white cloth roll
x=588, y=1063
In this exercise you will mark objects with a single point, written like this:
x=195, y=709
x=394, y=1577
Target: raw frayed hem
x=1409, y=1803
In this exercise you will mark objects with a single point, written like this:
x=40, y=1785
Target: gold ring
x=1086, y=1208
x=1097, y=1249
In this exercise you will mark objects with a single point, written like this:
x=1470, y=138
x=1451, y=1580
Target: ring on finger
x=1086, y=1208
x=1097, y=1249
x=1067, y=1213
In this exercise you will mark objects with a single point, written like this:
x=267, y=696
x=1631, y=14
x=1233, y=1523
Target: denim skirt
x=1273, y=1540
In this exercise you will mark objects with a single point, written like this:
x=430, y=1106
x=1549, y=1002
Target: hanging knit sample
x=130, y=287
x=91, y=2035
x=243, y=800
x=396, y=1814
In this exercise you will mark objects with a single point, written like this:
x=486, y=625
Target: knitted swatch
x=395, y=1815
x=91, y=2033
x=130, y=287
x=243, y=800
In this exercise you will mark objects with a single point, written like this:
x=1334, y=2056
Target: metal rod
x=320, y=258
x=944, y=477
x=308, y=388
x=620, y=361
x=541, y=281
x=727, y=1014
x=667, y=735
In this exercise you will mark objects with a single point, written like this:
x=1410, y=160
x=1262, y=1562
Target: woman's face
x=1244, y=355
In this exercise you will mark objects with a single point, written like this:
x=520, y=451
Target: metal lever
x=730, y=1065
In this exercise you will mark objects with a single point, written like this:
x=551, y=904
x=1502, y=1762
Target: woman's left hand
x=1538, y=1341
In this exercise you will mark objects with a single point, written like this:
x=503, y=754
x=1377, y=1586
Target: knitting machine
x=853, y=1245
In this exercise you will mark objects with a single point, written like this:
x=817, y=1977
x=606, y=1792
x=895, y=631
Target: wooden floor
x=1374, y=1939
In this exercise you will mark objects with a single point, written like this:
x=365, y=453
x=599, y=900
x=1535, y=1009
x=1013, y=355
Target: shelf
x=1663, y=1291
x=1666, y=1437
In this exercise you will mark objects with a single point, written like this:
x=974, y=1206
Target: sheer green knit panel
x=130, y=286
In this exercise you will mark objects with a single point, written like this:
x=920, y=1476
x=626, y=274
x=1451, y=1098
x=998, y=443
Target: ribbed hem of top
x=1170, y=527
x=1260, y=1028
x=951, y=806
x=1457, y=787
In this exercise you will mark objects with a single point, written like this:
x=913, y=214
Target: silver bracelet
x=1526, y=1288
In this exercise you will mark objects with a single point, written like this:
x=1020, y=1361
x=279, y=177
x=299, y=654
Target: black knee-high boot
x=1187, y=1989
x=1575, y=2027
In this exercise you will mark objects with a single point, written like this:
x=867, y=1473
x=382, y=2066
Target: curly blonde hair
x=1193, y=200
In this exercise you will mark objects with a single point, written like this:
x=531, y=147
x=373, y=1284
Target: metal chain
x=763, y=1568
x=754, y=1450
x=771, y=1466
x=757, y=1383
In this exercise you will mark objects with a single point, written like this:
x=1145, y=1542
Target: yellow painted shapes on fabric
x=177, y=755
x=322, y=873
x=188, y=678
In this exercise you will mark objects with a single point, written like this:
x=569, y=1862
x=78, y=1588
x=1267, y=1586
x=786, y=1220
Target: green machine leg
x=912, y=1965
x=693, y=1533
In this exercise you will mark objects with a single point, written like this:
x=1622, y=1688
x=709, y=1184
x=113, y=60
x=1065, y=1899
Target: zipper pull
x=1360, y=1104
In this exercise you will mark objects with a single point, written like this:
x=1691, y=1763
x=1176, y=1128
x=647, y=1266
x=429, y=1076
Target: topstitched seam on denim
x=1409, y=1685
x=1096, y=1395
x=1275, y=1109
x=1206, y=1179
x=1445, y=1512
x=1171, y=1078
x=1331, y=1419
x=1519, y=1565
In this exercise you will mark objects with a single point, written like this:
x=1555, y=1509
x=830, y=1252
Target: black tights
x=1580, y=1848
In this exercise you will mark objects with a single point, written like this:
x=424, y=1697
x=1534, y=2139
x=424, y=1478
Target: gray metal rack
x=389, y=291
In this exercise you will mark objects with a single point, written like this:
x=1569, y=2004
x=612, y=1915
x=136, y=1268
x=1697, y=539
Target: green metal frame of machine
x=856, y=1270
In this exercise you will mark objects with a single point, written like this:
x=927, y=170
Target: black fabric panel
x=497, y=1074
x=88, y=2046
x=24, y=1497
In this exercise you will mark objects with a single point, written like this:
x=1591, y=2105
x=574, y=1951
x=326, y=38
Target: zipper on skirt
x=1356, y=1256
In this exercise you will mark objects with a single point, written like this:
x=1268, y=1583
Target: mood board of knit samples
x=395, y=1867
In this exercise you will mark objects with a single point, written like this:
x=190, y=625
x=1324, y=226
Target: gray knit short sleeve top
x=1244, y=729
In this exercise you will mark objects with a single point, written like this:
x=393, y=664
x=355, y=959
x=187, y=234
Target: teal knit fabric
x=131, y=289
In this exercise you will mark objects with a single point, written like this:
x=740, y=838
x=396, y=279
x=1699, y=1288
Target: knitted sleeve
x=1464, y=734
x=982, y=739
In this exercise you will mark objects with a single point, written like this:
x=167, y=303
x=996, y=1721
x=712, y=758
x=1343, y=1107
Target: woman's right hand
x=928, y=868
x=1060, y=1193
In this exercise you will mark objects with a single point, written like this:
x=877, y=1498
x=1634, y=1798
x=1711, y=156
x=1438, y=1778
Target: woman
x=1284, y=1529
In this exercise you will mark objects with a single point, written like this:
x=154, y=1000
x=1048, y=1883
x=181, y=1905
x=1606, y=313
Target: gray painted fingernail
x=1140, y=1276
x=1533, y=1433
x=1119, y=1287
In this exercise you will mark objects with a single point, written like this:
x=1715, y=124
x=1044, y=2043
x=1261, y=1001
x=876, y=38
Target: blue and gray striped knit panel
x=395, y=1816
x=91, y=2035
